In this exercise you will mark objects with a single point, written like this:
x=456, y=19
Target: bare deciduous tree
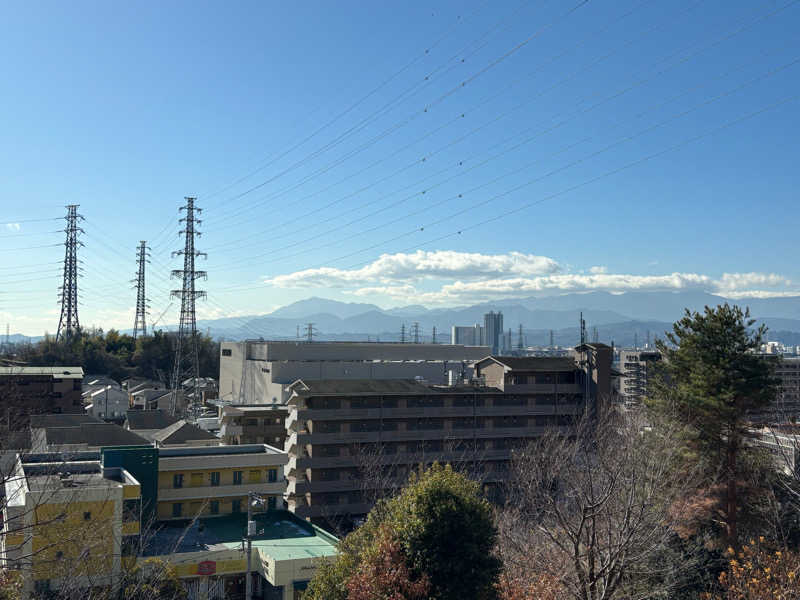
x=588, y=507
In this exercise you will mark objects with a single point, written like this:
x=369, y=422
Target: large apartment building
x=260, y=372
x=636, y=366
x=347, y=438
x=25, y=391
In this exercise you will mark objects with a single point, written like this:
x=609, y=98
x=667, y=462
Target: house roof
x=93, y=434
x=61, y=420
x=359, y=386
x=54, y=372
x=149, y=419
x=182, y=432
x=149, y=395
x=145, y=385
x=533, y=363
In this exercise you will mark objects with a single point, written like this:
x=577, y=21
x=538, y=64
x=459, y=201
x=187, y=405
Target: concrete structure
x=209, y=481
x=69, y=523
x=493, y=331
x=467, y=336
x=260, y=372
x=347, y=440
x=788, y=402
x=634, y=366
x=108, y=402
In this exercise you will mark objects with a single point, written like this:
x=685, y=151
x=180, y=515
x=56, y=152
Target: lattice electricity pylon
x=68, y=322
x=187, y=363
x=142, y=302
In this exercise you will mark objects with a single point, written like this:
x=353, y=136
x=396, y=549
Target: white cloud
x=13, y=226
x=760, y=294
x=737, y=281
x=420, y=265
x=598, y=270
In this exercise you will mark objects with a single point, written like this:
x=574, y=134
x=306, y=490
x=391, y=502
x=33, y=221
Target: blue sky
x=600, y=145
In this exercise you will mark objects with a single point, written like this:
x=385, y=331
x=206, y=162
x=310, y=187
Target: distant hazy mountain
x=312, y=306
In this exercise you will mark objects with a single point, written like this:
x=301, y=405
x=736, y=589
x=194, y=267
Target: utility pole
x=187, y=361
x=142, y=257
x=68, y=322
x=415, y=331
x=309, y=330
x=403, y=333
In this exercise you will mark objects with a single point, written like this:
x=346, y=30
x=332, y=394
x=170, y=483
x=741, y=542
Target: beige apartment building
x=260, y=372
x=347, y=439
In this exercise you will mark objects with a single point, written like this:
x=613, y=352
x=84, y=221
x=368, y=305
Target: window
x=226, y=352
x=254, y=476
x=237, y=478
x=177, y=509
x=215, y=478
x=273, y=475
x=271, y=503
x=236, y=506
x=197, y=479
x=177, y=480
x=214, y=506
x=87, y=516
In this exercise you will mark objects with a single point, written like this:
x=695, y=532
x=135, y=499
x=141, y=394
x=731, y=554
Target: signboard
x=207, y=567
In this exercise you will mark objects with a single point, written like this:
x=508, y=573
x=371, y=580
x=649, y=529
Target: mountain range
x=624, y=318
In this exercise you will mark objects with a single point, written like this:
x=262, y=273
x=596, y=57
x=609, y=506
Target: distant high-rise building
x=493, y=329
x=467, y=336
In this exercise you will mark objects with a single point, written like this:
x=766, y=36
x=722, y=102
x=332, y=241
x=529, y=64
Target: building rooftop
x=216, y=450
x=148, y=394
x=181, y=432
x=61, y=420
x=54, y=372
x=149, y=419
x=533, y=363
x=93, y=434
x=279, y=534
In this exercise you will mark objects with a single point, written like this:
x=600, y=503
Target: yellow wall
x=86, y=545
x=192, y=507
x=165, y=478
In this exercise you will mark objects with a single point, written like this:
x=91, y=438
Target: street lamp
x=253, y=499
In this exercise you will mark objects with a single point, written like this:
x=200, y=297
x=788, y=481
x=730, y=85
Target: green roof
x=280, y=535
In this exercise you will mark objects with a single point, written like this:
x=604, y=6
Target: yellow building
x=69, y=523
x=211, y=481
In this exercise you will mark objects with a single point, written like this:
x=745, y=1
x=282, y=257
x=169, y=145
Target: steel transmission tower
x=68, y=322
x=142, y=257
x=187, y=363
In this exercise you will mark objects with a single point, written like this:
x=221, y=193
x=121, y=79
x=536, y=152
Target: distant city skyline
x=489, y=152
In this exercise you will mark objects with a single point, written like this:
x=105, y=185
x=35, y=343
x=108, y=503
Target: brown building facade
x=349, y=440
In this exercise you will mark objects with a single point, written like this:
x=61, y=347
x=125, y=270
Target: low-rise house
x=182, y=433
x=148, y=422
x=70, y=436
x=107, y=403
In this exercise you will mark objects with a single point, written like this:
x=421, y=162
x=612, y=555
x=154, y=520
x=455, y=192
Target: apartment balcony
x=427, y=434
x=221, y=491
x=328, y=462
x=543, y=388
x=433, y=412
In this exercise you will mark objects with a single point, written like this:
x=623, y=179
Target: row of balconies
x=325, y=462
x=430, y=434
x=447, y=411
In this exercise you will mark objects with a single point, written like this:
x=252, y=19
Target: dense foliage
x=117, y=354
x=442, y=529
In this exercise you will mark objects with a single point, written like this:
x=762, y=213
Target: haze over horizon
x=488, y=153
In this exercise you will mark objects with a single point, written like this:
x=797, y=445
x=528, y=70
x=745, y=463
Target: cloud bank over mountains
x=446, y=277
